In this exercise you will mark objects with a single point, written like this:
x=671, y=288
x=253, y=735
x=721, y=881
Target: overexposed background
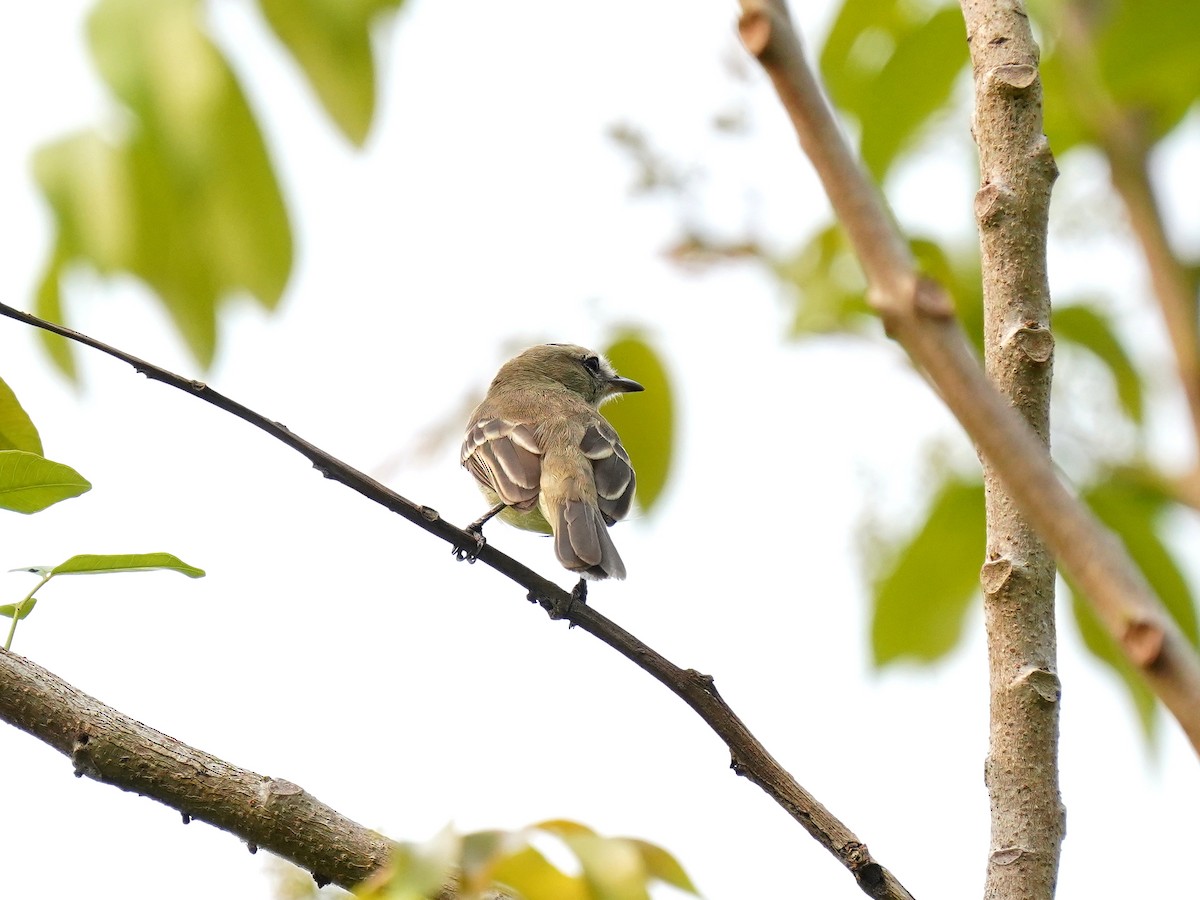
x=334, y=645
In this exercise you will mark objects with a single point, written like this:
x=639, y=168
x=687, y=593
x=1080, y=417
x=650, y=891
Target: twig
x=918, y=313
x=749, y=757
x=1013, y=210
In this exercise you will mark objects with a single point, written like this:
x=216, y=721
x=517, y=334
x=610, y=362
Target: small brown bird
x=547, y=460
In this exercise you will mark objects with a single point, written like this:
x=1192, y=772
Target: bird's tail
x=582, y=542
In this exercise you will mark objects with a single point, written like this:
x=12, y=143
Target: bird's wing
x=505, y=457
x=615, y=481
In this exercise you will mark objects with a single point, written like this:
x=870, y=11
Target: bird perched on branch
x=548, y=461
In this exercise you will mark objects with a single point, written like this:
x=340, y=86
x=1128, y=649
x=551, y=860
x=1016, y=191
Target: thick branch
x=918, y=314
x=749, y=757
x=1012, y=208
x=115, y=749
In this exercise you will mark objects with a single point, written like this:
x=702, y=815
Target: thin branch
x=749, y=757
x=1013, y=211
x=1122, y=136
x=920, y=316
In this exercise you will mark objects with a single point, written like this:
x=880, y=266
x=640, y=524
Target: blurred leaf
x=829, y=286
x=48, y=304
x=415, y=871
x=645, y=421
x=915, y=84
x=663, y=866
x=562, y=828
x=1091, y=330
x=90, y=563
x=892, y=65
x=184, y=197
x=29, y=482
x=612, y=867
x=920, y=604
x=17, y=431
x=1149, y=53
x=1129, y=504
x=331, y=41
x=10, y=609
x=528, y=871
x=1146, y=56
x=859, y=43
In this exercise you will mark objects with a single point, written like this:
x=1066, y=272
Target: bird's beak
x=623, y=386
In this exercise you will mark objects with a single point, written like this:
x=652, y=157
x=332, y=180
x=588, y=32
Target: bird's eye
x=592, y=364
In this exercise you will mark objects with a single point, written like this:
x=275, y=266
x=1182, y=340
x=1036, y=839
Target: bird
x=548, y=461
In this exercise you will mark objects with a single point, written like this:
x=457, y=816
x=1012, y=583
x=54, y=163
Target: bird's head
x=576, y=368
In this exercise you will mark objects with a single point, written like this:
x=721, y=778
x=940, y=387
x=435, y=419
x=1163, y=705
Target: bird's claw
x=579, y=593
x=463, y=552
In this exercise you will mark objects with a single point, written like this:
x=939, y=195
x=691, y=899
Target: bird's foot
x=579, y=593
x=465, y=552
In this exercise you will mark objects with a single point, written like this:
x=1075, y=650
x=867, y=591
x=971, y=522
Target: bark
x=1012, y=208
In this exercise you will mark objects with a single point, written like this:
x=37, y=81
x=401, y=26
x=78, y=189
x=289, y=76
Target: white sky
x=338, y=647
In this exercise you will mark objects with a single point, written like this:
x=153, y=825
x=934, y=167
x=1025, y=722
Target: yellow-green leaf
x=19, y=610
x=93, y=563
x=536, y=878
x=663, y=866
x=17, y=431
x=331, y=42
x=184, y=197
x=29, y=482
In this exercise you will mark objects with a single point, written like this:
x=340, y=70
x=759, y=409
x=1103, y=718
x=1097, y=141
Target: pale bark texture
x=1012, y=210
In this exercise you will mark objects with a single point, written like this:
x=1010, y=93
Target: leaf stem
x=19, y=607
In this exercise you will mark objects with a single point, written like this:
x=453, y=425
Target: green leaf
x=184, y=197
x=1088, y=328
x=921, y=602
x=1149, y=54
x=29, y=482
x=17, y=431
x=331, y=41
x=91, y=563
x=1146, y=56
x=26, y=607
x=860, y=41
x=645, y=421
x=892, y=65
x=913, y=85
